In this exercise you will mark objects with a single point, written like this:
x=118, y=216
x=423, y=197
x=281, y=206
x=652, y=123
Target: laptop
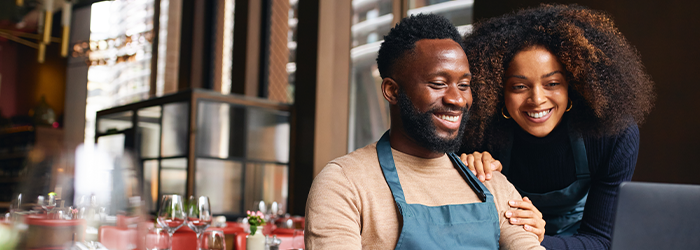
x=657, y=216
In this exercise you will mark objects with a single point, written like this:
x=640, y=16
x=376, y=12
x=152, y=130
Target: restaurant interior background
x=246, y=100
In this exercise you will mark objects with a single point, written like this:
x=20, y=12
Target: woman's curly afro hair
x=608, y=84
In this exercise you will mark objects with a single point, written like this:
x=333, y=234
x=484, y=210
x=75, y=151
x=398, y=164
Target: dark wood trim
x=264, y=68
x=304, y=109
x=198, y=94
x=191, y=140
x=203, y=26
x=240, y=42
x=154, y=49
x=187, y=26
x=246, y=48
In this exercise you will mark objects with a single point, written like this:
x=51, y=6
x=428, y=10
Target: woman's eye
x=552, y=84
x=518, y=87
x=464, y=86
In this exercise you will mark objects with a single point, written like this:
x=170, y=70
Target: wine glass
x=47, y=204
x=198, y=215
x=212, y=240
x=171, y=215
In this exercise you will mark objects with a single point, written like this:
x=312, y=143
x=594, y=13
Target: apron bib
x=461, y=226
x=561, y=209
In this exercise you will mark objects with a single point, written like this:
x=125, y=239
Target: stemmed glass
x=171, y=215
x=212, y=240
x=47, y=205
x=198, y=215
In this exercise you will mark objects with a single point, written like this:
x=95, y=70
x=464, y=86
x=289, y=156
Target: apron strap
x=471, y=179
x=580, y=156
x=386, y=161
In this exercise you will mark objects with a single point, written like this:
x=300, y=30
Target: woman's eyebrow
x=516, y=76
x=552, y=73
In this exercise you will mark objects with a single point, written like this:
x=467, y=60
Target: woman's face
x=536, y=91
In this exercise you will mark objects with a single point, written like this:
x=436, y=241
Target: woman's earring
x=504, y=114
x=571, y=105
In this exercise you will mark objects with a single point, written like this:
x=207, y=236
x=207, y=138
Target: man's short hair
x=403, y=37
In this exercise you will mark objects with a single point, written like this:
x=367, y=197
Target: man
x=405, y=192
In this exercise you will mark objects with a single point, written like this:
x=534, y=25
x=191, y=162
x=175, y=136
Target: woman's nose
x=538, y=96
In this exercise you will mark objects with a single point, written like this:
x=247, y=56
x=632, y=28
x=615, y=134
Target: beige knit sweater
x=350, y=205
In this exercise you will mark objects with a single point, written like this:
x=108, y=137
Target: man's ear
x=390, y=90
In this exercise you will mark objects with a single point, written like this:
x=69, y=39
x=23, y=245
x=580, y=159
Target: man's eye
x=437, y=84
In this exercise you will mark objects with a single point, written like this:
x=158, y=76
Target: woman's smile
x=539, y=116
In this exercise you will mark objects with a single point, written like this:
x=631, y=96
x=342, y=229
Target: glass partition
x=240, y=150
x=214, y=128
x=175, y=124
x=221, y=180
x=149, y=131
x=266, y=182
x=268, y=131
x=116, y=122
x=173, y=176
x=150, y=184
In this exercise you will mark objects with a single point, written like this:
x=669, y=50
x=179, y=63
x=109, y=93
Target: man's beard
x=420, y=127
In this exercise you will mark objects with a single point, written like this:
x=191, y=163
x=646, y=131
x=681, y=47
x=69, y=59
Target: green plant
x=255, y=219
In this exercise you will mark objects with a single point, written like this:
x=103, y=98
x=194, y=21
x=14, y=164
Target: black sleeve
x=616, y=158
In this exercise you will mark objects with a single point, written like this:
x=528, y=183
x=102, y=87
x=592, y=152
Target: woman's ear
x=390, y=90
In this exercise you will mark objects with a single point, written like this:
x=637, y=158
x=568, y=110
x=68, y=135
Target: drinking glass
x=212, y=240
x=298, y=239
x=171, y=215
x=198, y=215
x=47, y=204
x=157, y=239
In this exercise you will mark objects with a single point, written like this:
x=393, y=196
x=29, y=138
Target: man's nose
x=455, y=97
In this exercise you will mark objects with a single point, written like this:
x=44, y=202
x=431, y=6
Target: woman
x=558, y=94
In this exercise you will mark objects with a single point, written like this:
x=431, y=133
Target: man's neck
x=400, y=141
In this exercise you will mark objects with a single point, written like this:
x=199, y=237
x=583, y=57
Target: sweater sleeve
x=619, y=159
x=332, y=212
x=512, y=236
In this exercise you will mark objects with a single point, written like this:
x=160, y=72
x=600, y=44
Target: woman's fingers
x=521, y=214
x=537, y=231
x=528, y=215
x=478, y=165
x=490, y=164
x=481, y=164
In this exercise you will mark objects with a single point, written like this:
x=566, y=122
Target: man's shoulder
x=499, y=185
x=359, y=158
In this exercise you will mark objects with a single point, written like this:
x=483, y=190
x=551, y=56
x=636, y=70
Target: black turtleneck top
x=547, y=158
x=540, y=165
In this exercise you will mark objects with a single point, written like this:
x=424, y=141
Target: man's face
x=434, y=94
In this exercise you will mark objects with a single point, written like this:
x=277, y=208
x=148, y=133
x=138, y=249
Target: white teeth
x=538, y=114
x=451, y=118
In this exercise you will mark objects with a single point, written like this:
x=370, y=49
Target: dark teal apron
x=561, y=209
x=462, y=226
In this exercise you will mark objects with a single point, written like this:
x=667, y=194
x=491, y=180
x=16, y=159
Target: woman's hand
x=529, y=217
x=476, y=162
